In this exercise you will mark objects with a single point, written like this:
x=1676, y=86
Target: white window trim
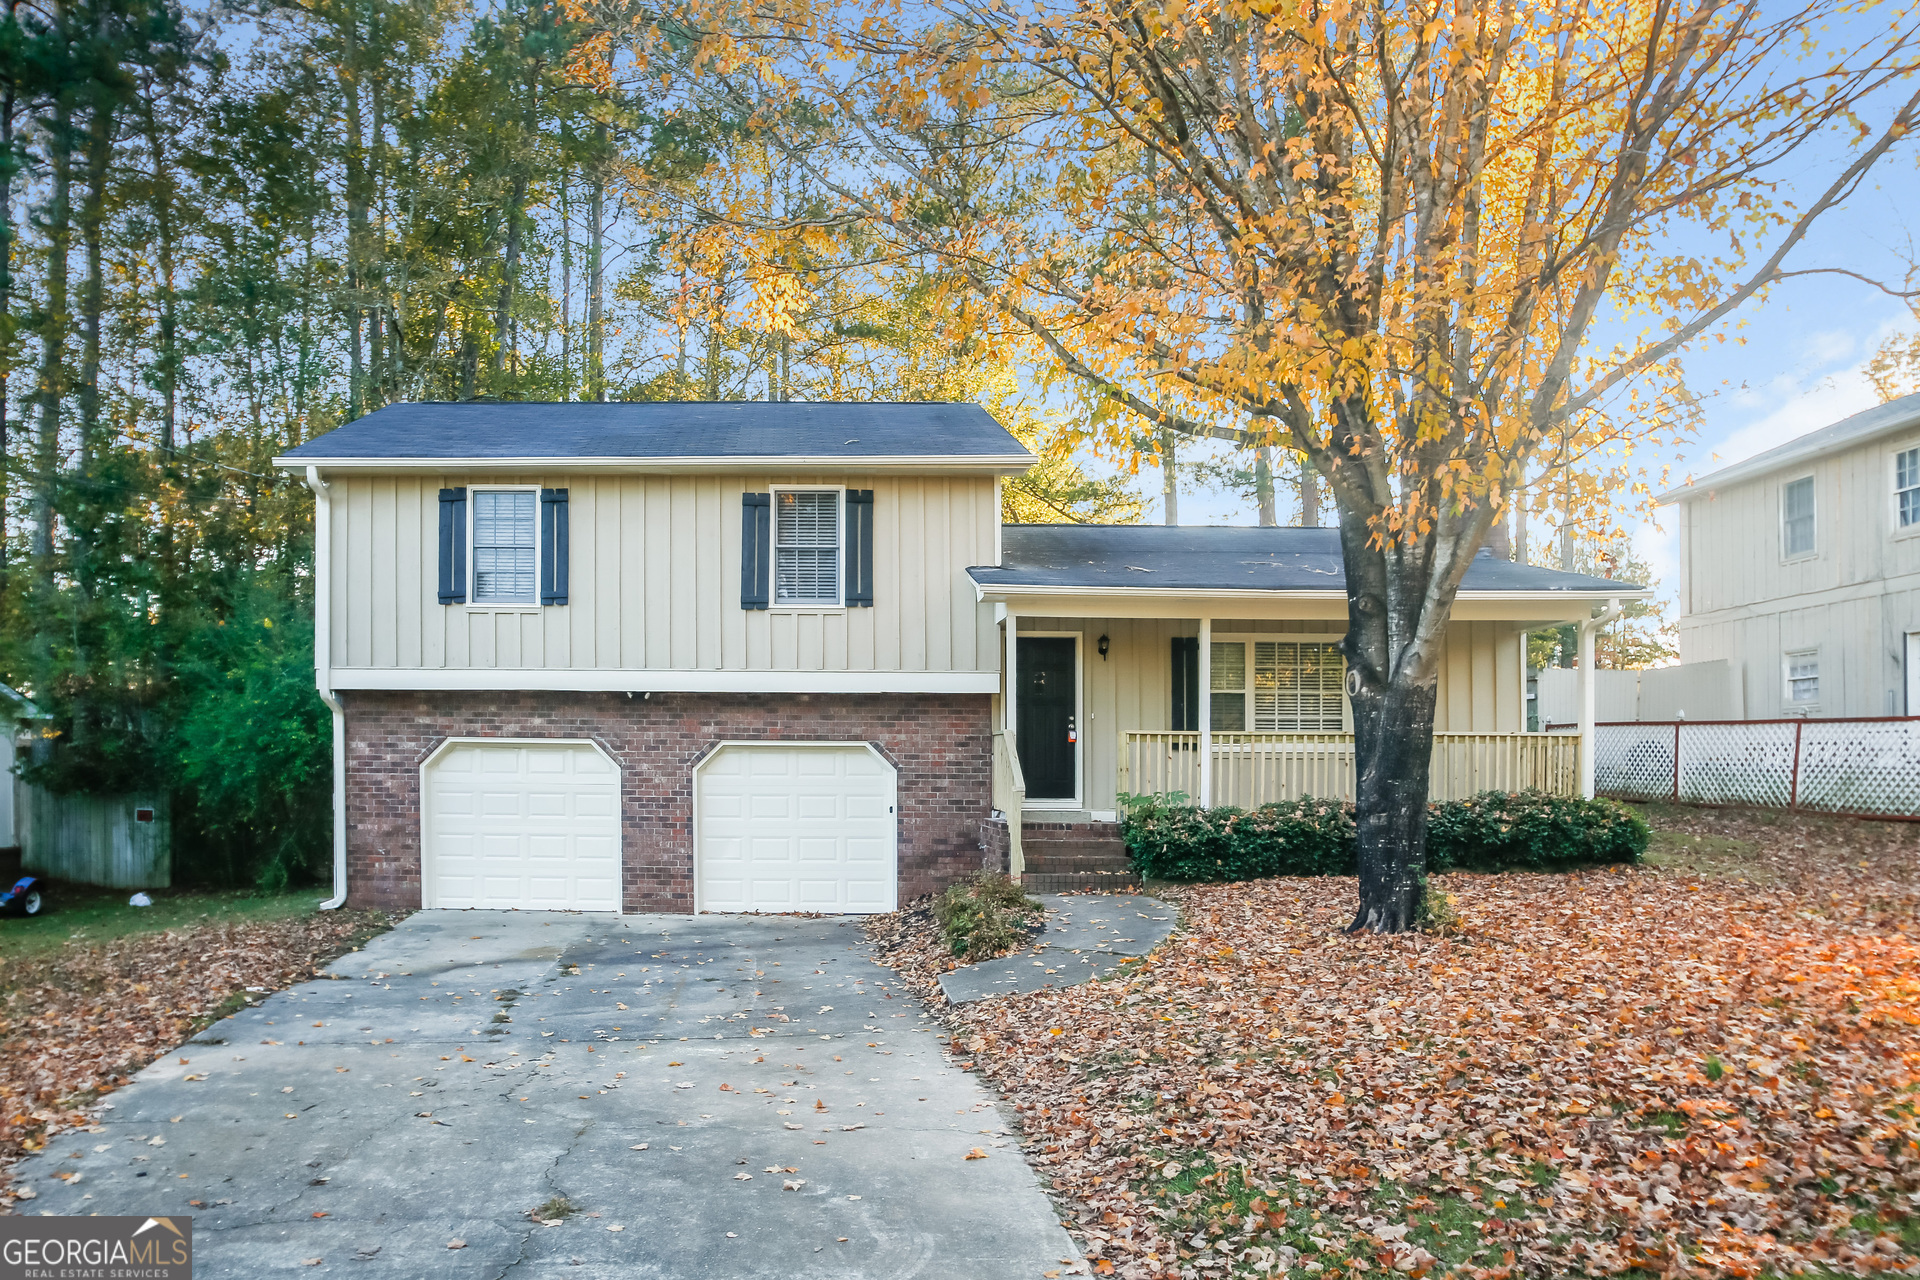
x=1786, y=680
x=474, y=605
x=1893, y=490
x=1298, y=637
x=839, y=542
x=1051, y=804
x=1797, y=556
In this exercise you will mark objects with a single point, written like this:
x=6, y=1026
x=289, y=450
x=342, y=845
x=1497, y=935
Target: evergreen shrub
x=1170, y=839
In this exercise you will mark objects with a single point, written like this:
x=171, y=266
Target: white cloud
x=1798, y=401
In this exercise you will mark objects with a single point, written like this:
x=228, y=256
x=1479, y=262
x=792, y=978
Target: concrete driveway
x=709, y=1096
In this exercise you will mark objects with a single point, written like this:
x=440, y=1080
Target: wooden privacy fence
x=1866, y=768
x=119, y=841
x=1258, y=768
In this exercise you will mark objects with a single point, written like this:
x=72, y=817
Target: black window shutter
x=756, y=549
x=453, y=546
x=1186, y=683
x=859, y=550
x=553, y=546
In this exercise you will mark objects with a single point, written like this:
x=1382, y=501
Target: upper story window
x=1906, y=487
x=1796, y=517
x=806, y=547
x=1270, y=686
x=1803, y=678
x=504, y=545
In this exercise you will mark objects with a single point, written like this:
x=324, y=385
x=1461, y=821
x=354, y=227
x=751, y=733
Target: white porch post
x=1013, y=666
x=1586, y=710
x=1206, y=712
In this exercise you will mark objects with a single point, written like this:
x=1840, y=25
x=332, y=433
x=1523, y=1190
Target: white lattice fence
x=1633, y=761
x=1869, y=767
x=1861, y=766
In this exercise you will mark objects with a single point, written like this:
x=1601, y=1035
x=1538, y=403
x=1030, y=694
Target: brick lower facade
x=942, y=745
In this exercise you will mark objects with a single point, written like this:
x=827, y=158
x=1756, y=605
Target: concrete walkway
x=666, y=1076
x=1088, y=936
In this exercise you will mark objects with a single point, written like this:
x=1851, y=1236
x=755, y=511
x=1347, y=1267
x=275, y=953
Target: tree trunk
x=8, y=165
x=596, y=272
x=1393, y=756
x=1169, y=478
x=53, y=347
x=1309, y=495
x=93, y=296
x=357, y=202
x=566, y=288
x=1263, y=485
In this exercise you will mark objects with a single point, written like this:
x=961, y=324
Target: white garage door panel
x=534, y=826
x=796, y=829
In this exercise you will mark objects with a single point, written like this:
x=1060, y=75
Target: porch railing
x=1010, y=797
x=1258, y=768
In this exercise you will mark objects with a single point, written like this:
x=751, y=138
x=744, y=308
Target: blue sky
x=1792, y=362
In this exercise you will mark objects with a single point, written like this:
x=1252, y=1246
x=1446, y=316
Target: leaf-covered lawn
x=1630, y=1069
x=77, y=1020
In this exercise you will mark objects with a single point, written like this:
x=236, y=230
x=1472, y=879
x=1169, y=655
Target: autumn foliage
x=1615, y=1070
x=77, y=1022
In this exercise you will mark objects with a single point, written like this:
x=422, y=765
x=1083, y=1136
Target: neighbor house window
x=504, y=545
x=806, y=547
x=1272, y=686
x=1796, y=516
x=1803, y=678
x=1906, y=486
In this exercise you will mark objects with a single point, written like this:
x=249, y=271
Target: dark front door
x=1045, y=707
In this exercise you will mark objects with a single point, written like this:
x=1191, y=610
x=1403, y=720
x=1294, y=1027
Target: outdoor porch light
x=1103, y=646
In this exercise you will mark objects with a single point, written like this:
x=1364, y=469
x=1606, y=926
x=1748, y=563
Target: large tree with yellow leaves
x=1378, y=234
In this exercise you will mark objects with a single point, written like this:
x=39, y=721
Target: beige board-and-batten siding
x=118, y=841
x=1853, y=598
x=655, y=581
x=1132, y=688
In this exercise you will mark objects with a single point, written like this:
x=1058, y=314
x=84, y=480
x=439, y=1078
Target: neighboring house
x=1801, y=568
x=749, y=657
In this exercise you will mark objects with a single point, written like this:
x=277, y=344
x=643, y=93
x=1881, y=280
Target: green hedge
x=1169, y=839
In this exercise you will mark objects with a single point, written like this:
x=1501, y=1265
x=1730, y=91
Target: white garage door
x=796, y=829
x=522, y=824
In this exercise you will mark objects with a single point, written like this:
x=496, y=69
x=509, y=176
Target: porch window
x=1275, y=686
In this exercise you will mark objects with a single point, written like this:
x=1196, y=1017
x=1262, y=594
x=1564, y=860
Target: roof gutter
x=323, y=675
x=995, y=464
x=996, y=591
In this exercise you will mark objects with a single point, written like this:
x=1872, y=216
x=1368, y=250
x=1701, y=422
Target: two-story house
x=785, y=657
x=1801, y=568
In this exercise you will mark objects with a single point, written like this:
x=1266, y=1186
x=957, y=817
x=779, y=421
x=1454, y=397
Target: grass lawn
x=1709, y=1065
x=82, y=914
x=94, y=989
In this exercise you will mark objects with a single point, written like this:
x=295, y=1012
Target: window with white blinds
x=1274, y=686
x=504, y=546
x=806, y=547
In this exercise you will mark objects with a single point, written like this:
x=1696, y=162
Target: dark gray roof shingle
x=665, y=430
x=1193, y=558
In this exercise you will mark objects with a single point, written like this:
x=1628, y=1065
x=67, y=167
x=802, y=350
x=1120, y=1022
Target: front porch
x=1206, y=664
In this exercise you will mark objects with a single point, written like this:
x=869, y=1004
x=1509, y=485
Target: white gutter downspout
x=323, y=676
x=1587, y=628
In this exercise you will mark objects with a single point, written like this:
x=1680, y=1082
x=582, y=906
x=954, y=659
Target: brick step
x=1078, y=833
x=1049, y=882
x=1047, y=860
